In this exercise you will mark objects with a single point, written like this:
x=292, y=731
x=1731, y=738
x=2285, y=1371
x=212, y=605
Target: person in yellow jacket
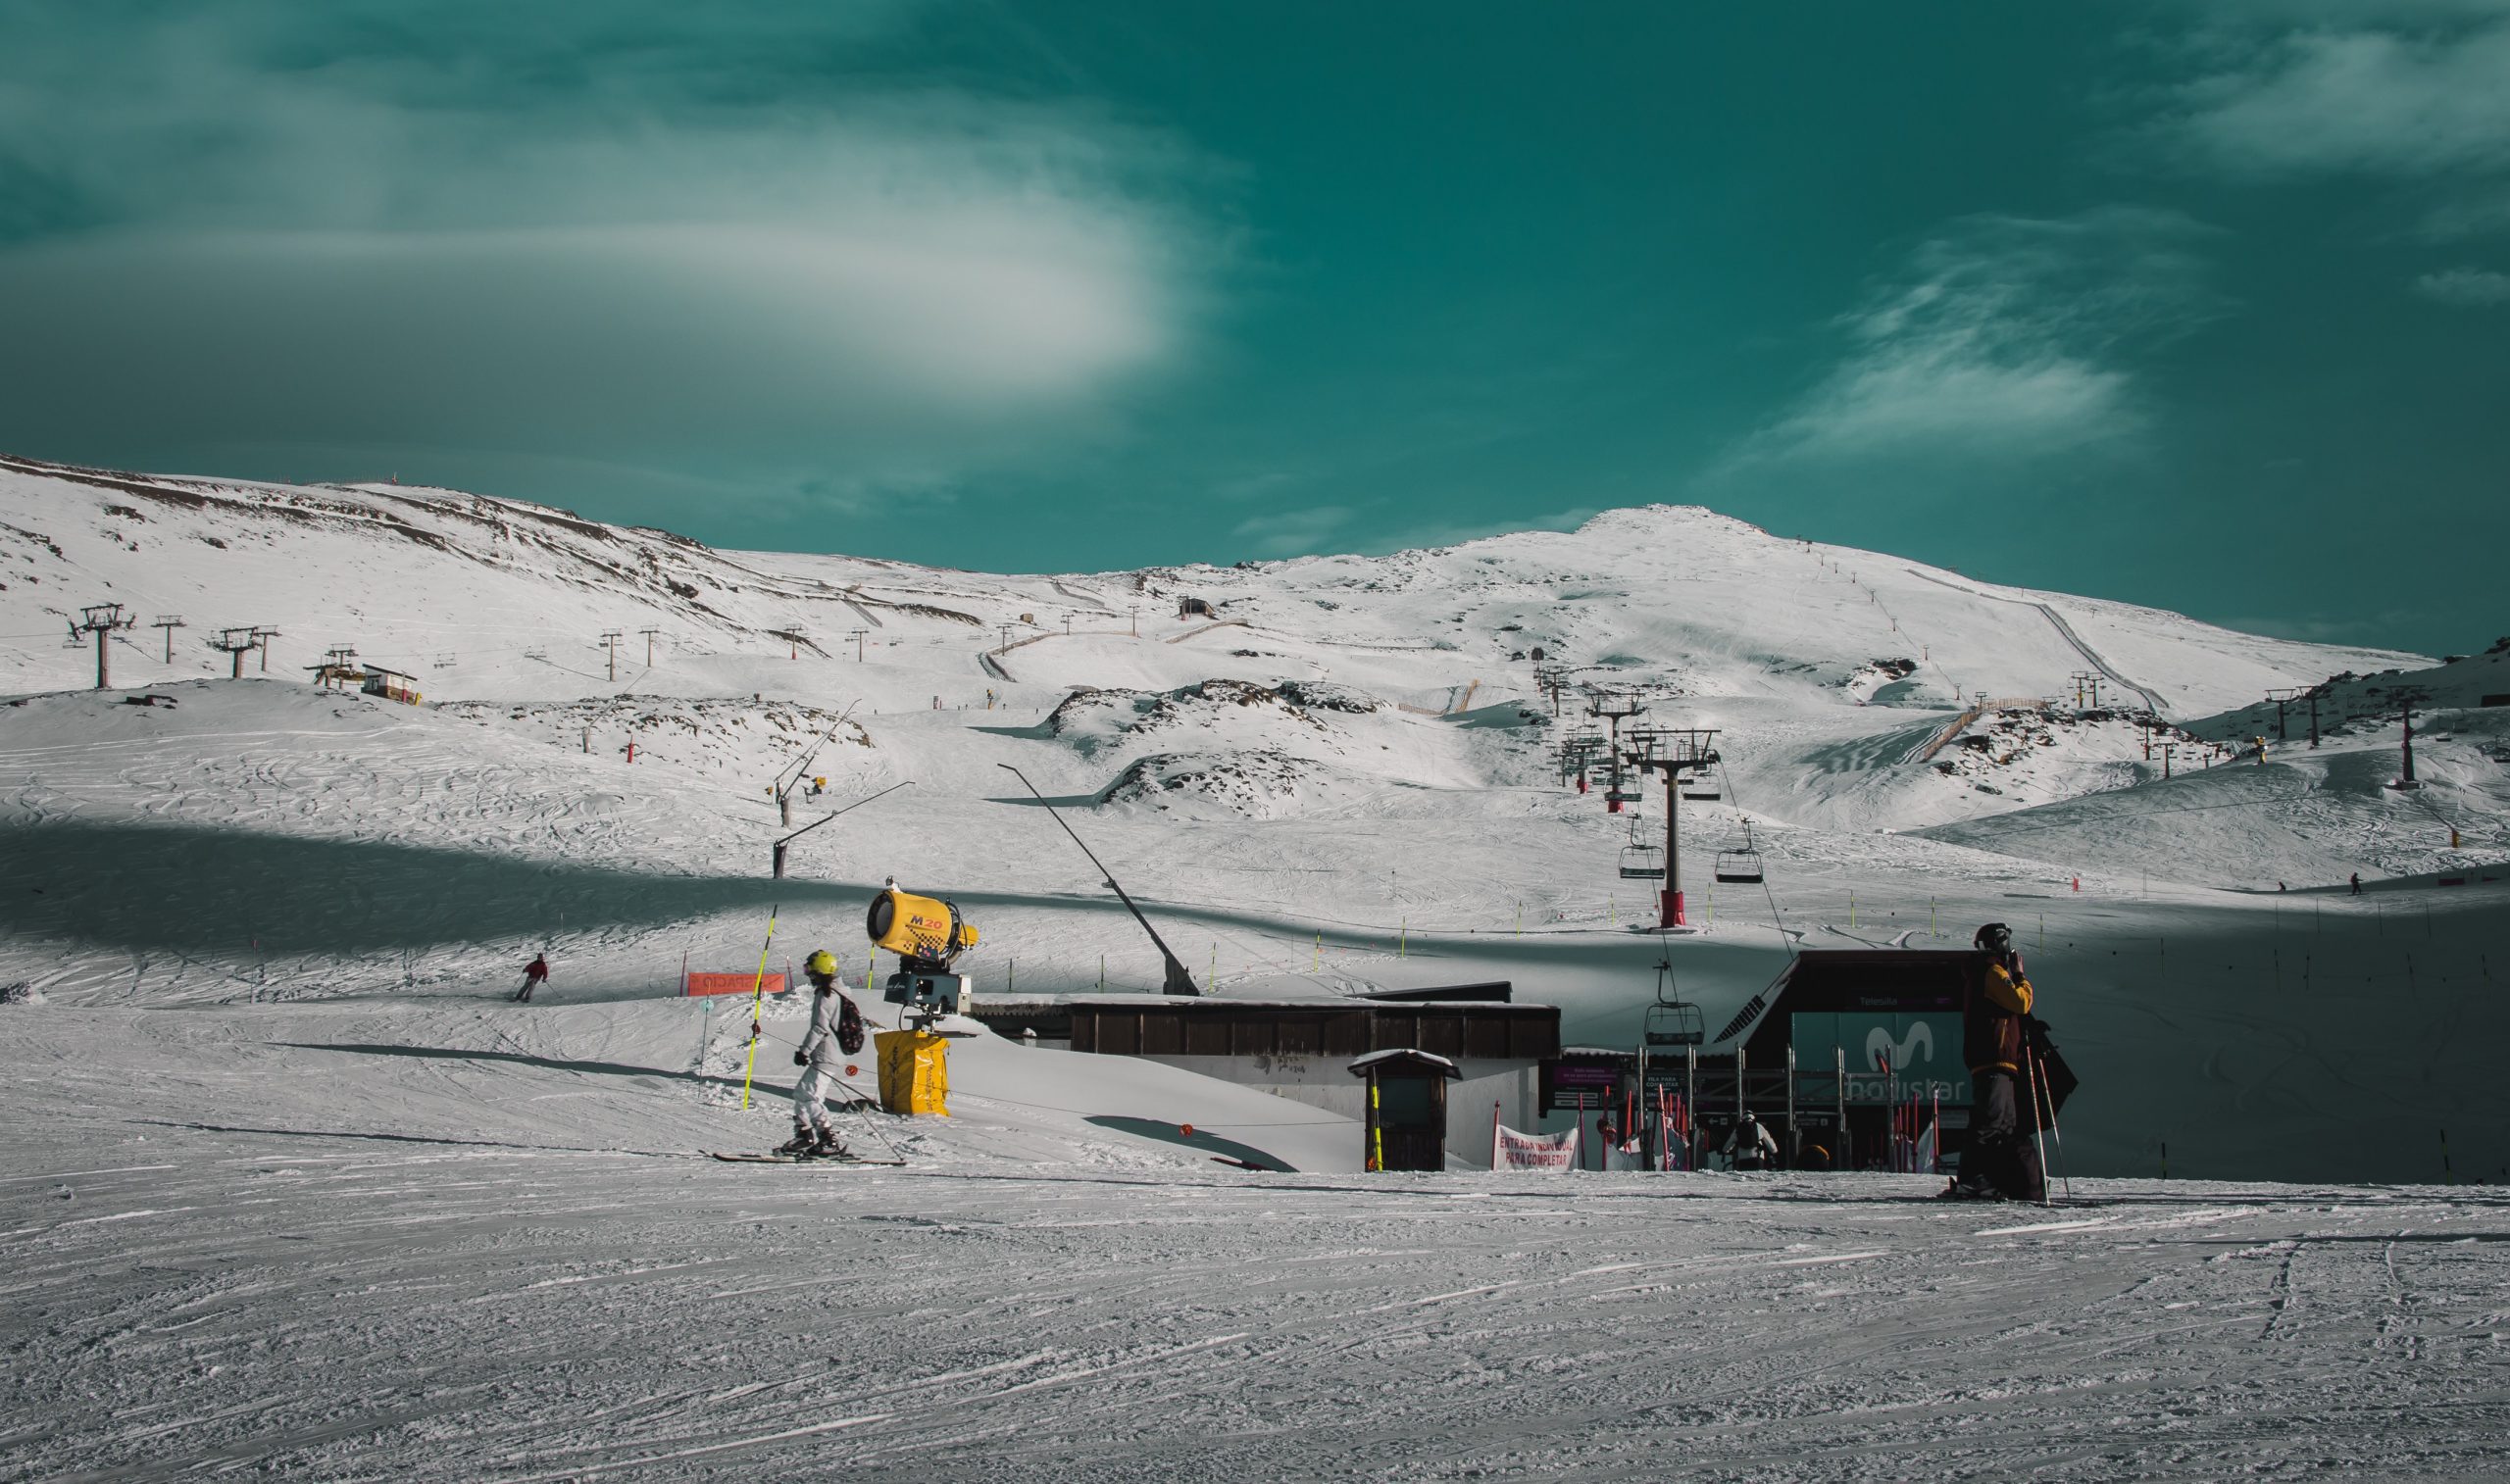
x=2003, y=1157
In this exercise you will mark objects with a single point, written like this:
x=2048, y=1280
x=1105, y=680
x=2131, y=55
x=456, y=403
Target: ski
x=777, y=1159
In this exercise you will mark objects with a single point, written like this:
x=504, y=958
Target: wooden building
x=1302, y=1049
x=1406, y=1125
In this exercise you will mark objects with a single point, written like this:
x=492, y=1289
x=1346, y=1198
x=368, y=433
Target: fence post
x=1838, y=1085
x=1795, y=1141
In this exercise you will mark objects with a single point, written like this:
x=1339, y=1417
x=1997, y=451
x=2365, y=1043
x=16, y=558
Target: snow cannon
x=927, y=935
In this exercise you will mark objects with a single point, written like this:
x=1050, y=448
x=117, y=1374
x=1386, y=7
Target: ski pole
x=861, y=1097
x=2038, y=1133
x=2057, y=1136
x=757, y=997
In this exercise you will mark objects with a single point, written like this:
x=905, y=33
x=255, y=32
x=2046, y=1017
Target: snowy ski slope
x=291, y=1188
x=1338, y=777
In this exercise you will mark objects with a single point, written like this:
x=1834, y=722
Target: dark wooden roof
x=1141, y=1025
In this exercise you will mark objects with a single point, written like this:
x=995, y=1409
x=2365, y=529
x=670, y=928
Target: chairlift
x=1672, y=1021
x=1703, y=785
x=1742, y=864
x=1642, y=863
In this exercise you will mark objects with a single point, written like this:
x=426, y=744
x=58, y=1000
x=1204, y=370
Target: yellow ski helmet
x=820, y=965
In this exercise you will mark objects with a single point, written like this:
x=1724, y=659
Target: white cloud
x=2360, y=100
x=2474, y=286
x=620, y=234
x=2004, y=336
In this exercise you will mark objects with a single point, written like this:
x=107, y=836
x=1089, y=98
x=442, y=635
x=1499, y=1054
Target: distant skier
x=2002, y=1159
x=836, y=1032
x=1750, y=1147
x=534, y=974
x=2357, y=883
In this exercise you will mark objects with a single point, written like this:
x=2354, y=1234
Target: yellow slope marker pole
x=757, y=997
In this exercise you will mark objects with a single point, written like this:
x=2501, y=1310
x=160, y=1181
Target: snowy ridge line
x=1096, y=604
x=2152, y=700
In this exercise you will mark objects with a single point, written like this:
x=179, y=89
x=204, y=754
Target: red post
x=1494, y=1134
x=1581, y=1130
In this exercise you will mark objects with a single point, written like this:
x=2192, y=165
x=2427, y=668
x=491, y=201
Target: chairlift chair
x=1642, y=863
x=1674, y=1022
x=1740, y=866
x=1703, y=785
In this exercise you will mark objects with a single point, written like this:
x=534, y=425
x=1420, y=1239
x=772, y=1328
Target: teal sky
x=2199, y=305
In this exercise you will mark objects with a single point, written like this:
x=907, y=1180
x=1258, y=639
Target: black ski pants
x=2002, y=1153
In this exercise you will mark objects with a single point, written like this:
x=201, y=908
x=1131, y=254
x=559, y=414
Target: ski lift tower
x=104, y=620
x=1577, y=752
x=1612, y=708
x=1677, y=753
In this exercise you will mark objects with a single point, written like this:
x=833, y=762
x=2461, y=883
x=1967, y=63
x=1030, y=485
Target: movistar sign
x=1914, y=1053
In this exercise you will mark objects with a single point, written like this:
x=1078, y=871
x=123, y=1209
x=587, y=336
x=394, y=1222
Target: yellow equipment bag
x=915, y=1071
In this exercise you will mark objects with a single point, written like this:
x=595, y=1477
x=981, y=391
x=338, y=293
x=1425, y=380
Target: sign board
x=694, y=983
x=1594, y=1075
x=1672, y=1073
x=1890, y=1054
x=1511, y=1150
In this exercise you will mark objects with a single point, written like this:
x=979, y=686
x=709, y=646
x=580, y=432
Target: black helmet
x=1995, y=938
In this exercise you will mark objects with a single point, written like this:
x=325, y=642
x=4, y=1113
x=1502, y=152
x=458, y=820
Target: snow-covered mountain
x=293, y=1185
x=1320, y=773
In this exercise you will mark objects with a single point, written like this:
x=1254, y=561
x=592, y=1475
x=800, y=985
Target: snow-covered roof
x=1361, y=1066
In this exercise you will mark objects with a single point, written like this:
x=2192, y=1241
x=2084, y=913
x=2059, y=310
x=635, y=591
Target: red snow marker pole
x=1494, y=1133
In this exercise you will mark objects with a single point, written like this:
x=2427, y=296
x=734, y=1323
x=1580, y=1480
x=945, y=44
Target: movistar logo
x=1880, y=1045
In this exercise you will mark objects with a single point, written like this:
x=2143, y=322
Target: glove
x=801, y=1058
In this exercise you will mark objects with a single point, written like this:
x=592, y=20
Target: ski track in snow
x=325, y=1307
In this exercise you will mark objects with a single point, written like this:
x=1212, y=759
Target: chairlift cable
x=1784, y=936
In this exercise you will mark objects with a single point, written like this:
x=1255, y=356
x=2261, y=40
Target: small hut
x=1195, y=607
x=1407, y=1113
x=392, y=686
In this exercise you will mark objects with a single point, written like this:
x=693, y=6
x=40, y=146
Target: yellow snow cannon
x=927, y=935
x=926, y=932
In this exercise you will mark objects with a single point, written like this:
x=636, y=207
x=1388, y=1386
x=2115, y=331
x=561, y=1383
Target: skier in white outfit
x=822, y=1052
